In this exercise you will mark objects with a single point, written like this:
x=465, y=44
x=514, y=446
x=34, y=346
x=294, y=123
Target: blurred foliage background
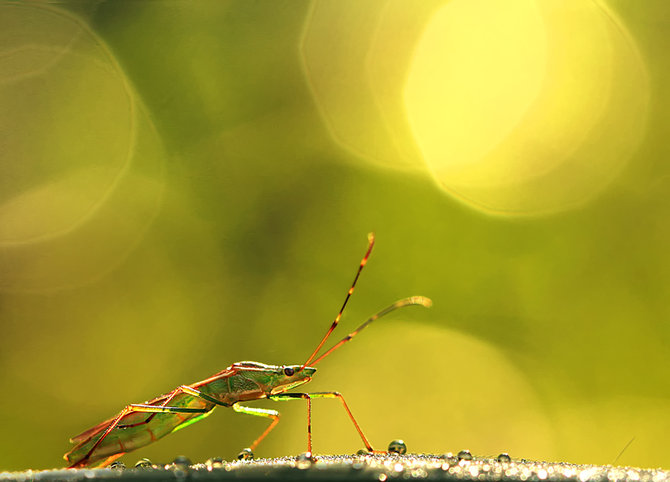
x=184, y=185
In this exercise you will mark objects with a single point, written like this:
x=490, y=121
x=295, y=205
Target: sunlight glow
x=525, y=108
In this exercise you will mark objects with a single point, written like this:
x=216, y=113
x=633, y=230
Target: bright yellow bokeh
x=526, y=108
x=355, y=57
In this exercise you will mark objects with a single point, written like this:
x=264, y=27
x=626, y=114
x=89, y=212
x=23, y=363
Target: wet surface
x=377, y=467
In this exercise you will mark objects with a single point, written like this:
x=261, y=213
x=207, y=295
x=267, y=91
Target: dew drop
x=464, y=455
x=362, y=452
x=245, y=454
x=214, y=463
x=182, y=461
x=304, y=460
x=117, y=464
x=450, y=458
x=143, y=464
x=397, y=447
x=504, y=458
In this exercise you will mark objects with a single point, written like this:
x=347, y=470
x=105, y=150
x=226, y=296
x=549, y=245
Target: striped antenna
x=414, y=300
x=371, y=243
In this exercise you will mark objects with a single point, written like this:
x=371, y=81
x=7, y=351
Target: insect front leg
x=308, y=396
x=299, y=396
x=259, y=412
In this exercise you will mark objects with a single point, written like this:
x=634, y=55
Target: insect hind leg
x=259, y=412
x=164, y=408
x=153, y=409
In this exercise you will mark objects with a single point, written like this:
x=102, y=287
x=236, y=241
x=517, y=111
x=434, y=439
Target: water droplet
x=382, y=477
x=143, y=464
x=464, y=455
x=397, y=447
x=504, y=458
x=304, y=460
x=182, y=460
x=450, y=458
x=362, y=452
x=117, y=464
x=245, y=454
x=214, y=463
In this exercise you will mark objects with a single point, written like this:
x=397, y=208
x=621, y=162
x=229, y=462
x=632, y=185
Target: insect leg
x=153, y=409
x=299, y=396
x=259, y=412
x=136, y=408
x=309, y=396
x=183, y=389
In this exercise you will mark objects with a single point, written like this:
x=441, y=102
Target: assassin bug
x=140, y=424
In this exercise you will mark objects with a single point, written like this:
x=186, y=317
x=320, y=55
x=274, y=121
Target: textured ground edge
x=379, y=468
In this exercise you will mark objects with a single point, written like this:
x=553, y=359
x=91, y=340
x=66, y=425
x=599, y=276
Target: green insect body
x=140, y=424
x=240, y=382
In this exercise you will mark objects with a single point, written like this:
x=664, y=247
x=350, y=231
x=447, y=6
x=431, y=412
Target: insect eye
x=288, y=371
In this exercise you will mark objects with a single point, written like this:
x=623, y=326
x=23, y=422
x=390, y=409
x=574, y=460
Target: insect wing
x=88, y=433
x=134, y=429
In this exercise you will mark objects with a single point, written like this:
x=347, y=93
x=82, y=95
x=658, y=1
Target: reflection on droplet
x=117, y=464
x=182, y=460
x=397, y=447
x=245, y=454
x=504, y=458
x=214, y=463
x=464, y=455
x=143, y=464
x=450, y=459
x=304, y=460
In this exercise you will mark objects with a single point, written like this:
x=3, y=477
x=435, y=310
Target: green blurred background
x=184, y=185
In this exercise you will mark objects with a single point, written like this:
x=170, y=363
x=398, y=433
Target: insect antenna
x=371, y=243
x=414, y=300
x=623, y=450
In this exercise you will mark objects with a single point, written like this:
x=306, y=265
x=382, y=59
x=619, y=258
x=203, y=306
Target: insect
x=140, y=424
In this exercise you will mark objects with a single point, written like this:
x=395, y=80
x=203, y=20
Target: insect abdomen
x=133, y=431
